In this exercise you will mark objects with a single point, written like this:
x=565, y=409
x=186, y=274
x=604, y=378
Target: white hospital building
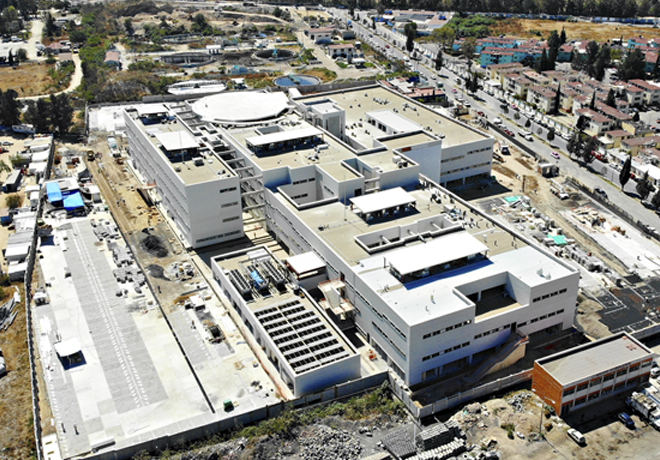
x=350, y=184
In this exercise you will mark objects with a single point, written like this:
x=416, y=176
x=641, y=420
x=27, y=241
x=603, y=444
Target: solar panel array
x=274, y=274
x=301, y=336
x=240, y=283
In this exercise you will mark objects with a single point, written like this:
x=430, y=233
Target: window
x=647, y=363
x=606, y=391
x=228, y=219
x=595, y=382
x=579, y=402
x=608, y=377
x=230, y=189
x=619, y=385
x=621, y=372
x=593, y=396
x=569, y=391
x=634, y=368
x=582, y=386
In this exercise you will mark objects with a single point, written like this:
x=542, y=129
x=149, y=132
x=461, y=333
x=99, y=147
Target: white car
x=497, y=121
x=576, y=436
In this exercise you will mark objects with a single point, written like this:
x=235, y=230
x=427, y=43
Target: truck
x=645, y=407
x=558, y=190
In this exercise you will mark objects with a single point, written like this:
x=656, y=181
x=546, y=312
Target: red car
x=481, y=114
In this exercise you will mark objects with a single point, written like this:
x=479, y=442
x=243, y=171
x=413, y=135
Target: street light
x=543, y=403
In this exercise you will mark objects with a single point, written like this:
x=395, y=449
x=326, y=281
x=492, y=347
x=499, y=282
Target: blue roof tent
x=73, y=201
x=54, y=192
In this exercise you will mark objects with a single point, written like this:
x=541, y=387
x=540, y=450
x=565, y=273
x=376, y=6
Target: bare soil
x=26, y=79
x=526, y=28
x=16, y=422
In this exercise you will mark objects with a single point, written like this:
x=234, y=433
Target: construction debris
x=7, y=314
x=328, y=443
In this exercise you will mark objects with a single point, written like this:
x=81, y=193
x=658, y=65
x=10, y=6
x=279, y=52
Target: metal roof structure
x=439, y=251
x=73, y=201
x=53, y=191
x=586, y=361
x=150, y=109
x=305, y=263
x=283, y=136
x=395, y=121
x=379, y=201
x=240, y=107
x=177, y=140
x=68, y=347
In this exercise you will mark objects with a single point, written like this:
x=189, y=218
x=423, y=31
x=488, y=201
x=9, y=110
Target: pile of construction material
x=7, y=314
x=121, y=255
x=441, y=441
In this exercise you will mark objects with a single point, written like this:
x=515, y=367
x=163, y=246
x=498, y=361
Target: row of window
x=230, y=189
x=227, y=205
x=446, y=329
x=229, y=219
x=297, y=197
x=302, y=181
x=388, y=339
x=222, y=235
x=541, y=318
x=604, y=392
x=479, y=165
x=492, y=331
x=607, y=378
x=552, y=294
x=385, y=318
x=471, y=152
x=460, y=157
x=447, y=350
x=328, y=190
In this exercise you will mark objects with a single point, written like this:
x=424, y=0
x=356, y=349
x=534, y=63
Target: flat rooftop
x=301, y=156
x=341, y=226
x=582, y=363
x=295, y=324
x=172, y=136
x=408, y=140
x=358, y=102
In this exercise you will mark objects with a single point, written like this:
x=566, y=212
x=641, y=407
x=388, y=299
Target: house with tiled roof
x=544, y=98
x=597, y=123
x=651, y=91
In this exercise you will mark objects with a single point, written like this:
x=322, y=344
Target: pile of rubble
x=328, y=443
x=130, y=275
x=7, y=314
x=105, y=231
x=518, y=400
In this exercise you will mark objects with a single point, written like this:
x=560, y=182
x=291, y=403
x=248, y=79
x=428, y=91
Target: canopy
x=73, y=201
x=560, y=240
x=67, y=347
x=305, y=263
x=54, y=192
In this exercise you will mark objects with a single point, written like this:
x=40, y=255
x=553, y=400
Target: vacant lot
x=26, y=79
x=16, y=423
x=527, y=28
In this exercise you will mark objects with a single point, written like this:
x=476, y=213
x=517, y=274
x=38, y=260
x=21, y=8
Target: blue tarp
x=73, y=201
x=54, y=192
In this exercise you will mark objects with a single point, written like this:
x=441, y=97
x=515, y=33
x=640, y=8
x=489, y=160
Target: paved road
x=491, y=107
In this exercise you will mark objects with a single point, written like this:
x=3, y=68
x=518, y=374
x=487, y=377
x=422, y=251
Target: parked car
x=627, y=420
x=497, y=121
x=555, y=155
x=481, y=114
x=600, y=192
x=576, y=436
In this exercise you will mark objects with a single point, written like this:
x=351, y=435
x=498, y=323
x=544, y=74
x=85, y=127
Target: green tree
x=633, y=66
x=10, y=108
x=644, y=186
x=551, y=134
x=410, y=30
x=13, y=201
x=562, y=36
x=21, y=54
x=61, y=112
x=528, y=123
x=624, y=174
x=574, y=144
x=592, y=54
x=611, y=98
x=38, y=115
x=655, y=201
x=603, y=60
x=128, y=27
x=468, y=48
x=557, y=105
x=587, y=148
x=444, y=36
x=439, y=61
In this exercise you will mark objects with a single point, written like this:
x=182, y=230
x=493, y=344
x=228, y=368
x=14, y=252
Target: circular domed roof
x=240, y=107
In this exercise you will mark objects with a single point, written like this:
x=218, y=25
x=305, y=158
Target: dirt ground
x=525, y=28
x=26, y=79
x=606, y=438
x=16, y=423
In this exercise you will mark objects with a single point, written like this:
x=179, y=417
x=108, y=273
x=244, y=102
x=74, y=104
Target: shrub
x=13, y=201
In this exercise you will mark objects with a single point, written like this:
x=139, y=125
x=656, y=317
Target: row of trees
x=54, y=114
